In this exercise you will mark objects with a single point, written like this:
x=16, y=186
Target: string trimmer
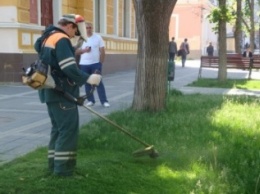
x=41, y=71
x=148, y=150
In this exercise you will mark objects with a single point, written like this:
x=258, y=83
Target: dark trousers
x=90, y=69
x=171, y=56
x=183, y=59
x=64, y=136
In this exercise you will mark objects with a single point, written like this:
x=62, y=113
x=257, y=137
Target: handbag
x=179, y=52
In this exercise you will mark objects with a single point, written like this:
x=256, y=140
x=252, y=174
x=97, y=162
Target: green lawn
x=207, y=144
x=229, y=83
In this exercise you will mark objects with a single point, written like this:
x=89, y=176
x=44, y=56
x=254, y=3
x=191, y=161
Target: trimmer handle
x=66, y=94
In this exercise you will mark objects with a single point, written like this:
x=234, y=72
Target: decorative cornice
x=21, y=25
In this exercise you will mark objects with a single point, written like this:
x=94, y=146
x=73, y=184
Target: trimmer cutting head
x=147, y=151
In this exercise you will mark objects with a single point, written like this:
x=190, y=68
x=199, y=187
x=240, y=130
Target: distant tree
x=152, y=19
x=248, y=20
x=222, y=37
x=245, y=21
x=251, y=5
x=220, y=16
x=238, y=26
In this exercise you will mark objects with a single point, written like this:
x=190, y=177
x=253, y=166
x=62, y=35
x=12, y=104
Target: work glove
x=94, y=79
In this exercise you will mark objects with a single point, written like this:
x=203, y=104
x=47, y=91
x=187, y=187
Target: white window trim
x=39, y=12
x=116, y=17
x=176, y=27
x=57, y=10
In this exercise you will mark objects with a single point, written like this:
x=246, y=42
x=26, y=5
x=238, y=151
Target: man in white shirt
x=92, y=57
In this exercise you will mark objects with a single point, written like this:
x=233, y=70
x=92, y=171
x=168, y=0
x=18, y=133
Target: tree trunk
x=238, y=32
x=222, y=31
x=152, y=19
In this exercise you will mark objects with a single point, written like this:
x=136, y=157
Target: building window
x=126, y=19
x=99, y=16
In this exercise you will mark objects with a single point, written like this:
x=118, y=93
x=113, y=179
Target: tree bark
x=222, y=31
x=152, y=19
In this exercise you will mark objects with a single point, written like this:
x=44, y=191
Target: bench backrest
x=256, y=61
x=238, y=62
x=233, y=61
x=207, y=61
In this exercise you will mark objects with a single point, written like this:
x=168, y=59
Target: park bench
x=233, y=62
x=256, y=62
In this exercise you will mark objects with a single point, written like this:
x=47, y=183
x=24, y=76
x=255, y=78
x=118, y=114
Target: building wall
x=18, y=34
x=189, y=21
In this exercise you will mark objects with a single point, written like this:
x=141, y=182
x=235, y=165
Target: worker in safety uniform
x=55, y=49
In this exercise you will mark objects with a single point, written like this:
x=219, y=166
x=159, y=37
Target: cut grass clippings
x=207, y=144
x=229, y=83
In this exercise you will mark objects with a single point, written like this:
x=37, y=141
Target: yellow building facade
x=22, y=22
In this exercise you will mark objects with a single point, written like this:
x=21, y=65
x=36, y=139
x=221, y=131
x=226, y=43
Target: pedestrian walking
x=172, y=49
x=184, y=51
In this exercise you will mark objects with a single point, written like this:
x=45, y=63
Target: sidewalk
x=25, y=124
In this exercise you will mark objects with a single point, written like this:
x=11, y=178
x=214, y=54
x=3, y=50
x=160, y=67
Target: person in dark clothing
x=55, y=49
x=185, y=50
x=210, y=49
x=172, y=49
x=248, y=53
x=247, y=45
